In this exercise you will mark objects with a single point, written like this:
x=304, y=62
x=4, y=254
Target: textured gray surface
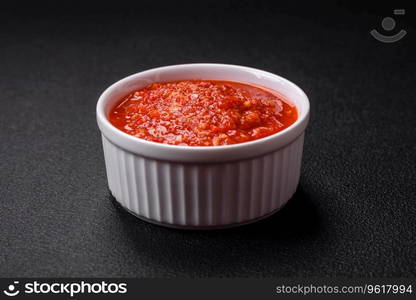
x=353, y=215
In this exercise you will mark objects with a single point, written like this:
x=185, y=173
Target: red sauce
x=202, y=113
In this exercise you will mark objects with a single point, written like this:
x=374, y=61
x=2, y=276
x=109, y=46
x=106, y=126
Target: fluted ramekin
x=206, y=186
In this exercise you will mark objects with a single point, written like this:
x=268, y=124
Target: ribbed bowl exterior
x=206, y=194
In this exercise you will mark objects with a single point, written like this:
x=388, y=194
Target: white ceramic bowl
x=203, y=187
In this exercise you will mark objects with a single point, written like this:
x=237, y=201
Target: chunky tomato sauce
x=202, y=113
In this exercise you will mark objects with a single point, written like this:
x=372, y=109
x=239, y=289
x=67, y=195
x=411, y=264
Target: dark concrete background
x=354, y=213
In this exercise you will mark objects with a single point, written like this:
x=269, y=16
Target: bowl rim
x=201, y=153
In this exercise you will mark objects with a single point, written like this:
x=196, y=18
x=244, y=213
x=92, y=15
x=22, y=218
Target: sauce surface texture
x=202, y=113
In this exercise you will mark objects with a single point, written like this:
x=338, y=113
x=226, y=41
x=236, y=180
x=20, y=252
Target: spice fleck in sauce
x=202, y=113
